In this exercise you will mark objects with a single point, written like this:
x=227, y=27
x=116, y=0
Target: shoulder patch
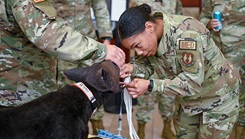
x=187, y=59
x=188, y=55
x=187, y=44
x=37, y=1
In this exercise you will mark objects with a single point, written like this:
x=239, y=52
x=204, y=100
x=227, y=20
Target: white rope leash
x=128, y=103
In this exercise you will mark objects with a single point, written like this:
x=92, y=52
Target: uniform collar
x=162, y=46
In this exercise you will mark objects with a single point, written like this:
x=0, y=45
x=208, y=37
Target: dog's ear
x=75, y=74
x=102, y=76
x=105, y=77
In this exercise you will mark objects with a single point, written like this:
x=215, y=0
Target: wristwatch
x=150, y=86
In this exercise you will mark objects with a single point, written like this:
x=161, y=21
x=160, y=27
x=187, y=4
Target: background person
x=230, y=39
x=78, y=15
x=32, y=38
x=180, y=48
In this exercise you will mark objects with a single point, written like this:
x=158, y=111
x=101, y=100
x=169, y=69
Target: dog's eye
x=103, y=74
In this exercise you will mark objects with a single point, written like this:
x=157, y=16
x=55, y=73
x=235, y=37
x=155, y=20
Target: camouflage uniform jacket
x=31, y=40
x=78, y=14
x=195, y=68
x=168, y=6
x=232, y=34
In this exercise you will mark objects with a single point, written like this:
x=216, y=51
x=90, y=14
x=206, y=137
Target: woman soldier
x=180, y=49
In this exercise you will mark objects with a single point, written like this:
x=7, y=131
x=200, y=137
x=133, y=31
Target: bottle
x=218, y=15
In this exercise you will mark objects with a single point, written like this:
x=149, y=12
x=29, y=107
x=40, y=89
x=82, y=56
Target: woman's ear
x=149, y=26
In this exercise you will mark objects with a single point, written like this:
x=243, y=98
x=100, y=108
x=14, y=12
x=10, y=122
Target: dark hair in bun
x=132, y=21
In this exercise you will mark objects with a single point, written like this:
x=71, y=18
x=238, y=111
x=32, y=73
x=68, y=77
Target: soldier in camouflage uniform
x=180, y=49
x=167, y=6
x=32, y=38
x=230, y=40
x=78, y=15
x=146, y=103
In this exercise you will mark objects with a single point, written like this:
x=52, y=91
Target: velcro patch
x=47, y=7
x=37, y=1
x=187, y=59
x=187, y=44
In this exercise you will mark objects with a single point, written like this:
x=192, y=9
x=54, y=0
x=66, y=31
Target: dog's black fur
x=63, y=114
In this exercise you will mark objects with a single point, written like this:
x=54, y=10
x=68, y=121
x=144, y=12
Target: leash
x=128, y=104
x=120, y=117
x=127, y=99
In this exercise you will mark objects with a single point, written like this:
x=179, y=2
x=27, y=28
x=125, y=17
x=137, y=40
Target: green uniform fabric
x=147, y=101
x=231, y=38
x=77, y=14
x=187, y=126
x=32, y=38
x=168, y=6
x=205, y=83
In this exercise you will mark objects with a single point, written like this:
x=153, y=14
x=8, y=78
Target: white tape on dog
x=128, y=104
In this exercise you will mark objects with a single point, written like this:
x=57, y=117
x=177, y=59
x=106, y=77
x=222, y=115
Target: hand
x=107, y=42
x=116, y=55
x=126, y=70
x=160, y=3
x=212, y=24
x=137, y=87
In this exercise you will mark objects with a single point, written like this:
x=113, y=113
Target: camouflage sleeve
x=154, y=5
x=206, y=13
x=178, y=7
x=143, y=68
x=171, y=7
x=190, y=57
x=133, y=3
x=38, y=22
x=102, y=16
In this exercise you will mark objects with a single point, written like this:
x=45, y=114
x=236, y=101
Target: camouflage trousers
x=62, y=81
x=237, y=58
x=241, y=117
x=146, y=103
x=220, y=125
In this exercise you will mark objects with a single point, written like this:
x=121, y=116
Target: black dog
x=63, y=114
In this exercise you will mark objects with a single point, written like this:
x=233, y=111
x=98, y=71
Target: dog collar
x=88, y=93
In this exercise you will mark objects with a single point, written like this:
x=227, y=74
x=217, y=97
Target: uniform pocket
x=228, y=109
x=47, y=7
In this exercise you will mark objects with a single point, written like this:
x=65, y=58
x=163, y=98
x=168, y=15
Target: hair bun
x=147, y=8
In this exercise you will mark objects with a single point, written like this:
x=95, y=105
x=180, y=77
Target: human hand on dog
x=126, y=70
x=116, y=55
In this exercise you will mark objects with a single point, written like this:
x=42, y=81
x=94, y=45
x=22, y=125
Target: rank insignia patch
x=37, y=1
x=187, y=59
x=187, y=44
